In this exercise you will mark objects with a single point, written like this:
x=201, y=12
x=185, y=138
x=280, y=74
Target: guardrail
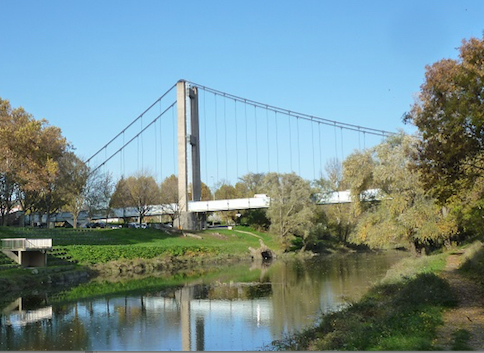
x=26, y=244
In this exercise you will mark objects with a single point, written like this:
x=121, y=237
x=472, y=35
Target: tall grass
x=410, y=267
x=473, y=265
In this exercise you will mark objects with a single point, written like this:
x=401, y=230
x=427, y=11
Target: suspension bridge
x=193, y=131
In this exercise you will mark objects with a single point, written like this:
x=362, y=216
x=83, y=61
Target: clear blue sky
x=91, y=67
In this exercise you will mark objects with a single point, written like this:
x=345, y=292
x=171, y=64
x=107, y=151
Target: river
x=234, y=307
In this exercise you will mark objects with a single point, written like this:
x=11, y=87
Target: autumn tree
x=169, y=196
x=29, y=160
x=144, y=192
x=224, y=192
x=73, y=182
x=292, y=207
x=406, y=215
x=121, y=197
x=252, y=183
x=339, y=217
x=449, y=114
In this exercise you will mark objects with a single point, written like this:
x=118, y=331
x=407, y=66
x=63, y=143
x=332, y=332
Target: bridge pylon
x=188, y=220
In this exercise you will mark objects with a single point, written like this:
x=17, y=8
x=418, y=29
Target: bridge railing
x=26, y=244
x=38, y=243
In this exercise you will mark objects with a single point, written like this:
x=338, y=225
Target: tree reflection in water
x=220, y=311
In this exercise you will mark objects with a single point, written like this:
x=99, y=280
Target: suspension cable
x=174, y=144
x=346, y=126
x=124, y=158
x=256, y=141
x=314, y=162
x=130, y=124
x=132, y=139
x=320, y=151
x=142, y=147
x=290, y=143
x=342, y=154
x=156, y=149
x=236, y=141
x=216, y=136
x=277, y=143
x=336, y=143
x=161, y=150
x=268, y=143
x=205, y=134
x=225, y=140
x=298, y=147
x=246, y=137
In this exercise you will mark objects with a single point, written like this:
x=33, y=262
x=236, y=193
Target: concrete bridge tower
x=188, y=220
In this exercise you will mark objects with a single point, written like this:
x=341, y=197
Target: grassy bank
x=124, y=250
x=104, y=245
x=400, y=313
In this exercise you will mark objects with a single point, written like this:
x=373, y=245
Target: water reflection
x=220, y=313
x=19, y=313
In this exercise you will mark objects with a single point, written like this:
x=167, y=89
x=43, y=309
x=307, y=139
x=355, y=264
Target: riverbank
x=81, y=254
x=418, y=306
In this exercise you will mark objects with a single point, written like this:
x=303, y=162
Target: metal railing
x=26, y=244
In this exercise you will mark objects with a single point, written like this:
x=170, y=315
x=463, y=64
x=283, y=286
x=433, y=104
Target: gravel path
x=469, y=312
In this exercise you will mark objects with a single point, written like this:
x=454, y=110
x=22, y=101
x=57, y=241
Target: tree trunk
x=75, y=216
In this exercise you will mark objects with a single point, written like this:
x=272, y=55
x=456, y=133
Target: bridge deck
x=24, y=244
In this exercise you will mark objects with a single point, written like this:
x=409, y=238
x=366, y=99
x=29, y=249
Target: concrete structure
x=187, y=219
x=27, y=252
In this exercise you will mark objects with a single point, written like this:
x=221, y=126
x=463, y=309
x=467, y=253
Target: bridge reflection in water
x=211, y=313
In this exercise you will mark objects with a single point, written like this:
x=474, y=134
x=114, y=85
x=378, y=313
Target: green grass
x=473, y=264
x=410, y=267
x=460, y=339
x=90, y=246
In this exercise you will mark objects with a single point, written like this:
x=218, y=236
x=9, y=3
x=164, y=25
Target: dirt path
x=469, y=312
x=242, y=231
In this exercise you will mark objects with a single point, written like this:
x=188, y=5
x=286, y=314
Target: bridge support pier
x=188, y=220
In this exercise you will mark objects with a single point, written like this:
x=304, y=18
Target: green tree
x=292, y=208
x=406, y=216
x=450, y=117
x=252, y=183
x=338, y=217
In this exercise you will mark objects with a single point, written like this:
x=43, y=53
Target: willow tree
x=406, y=216
x=292, y=207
